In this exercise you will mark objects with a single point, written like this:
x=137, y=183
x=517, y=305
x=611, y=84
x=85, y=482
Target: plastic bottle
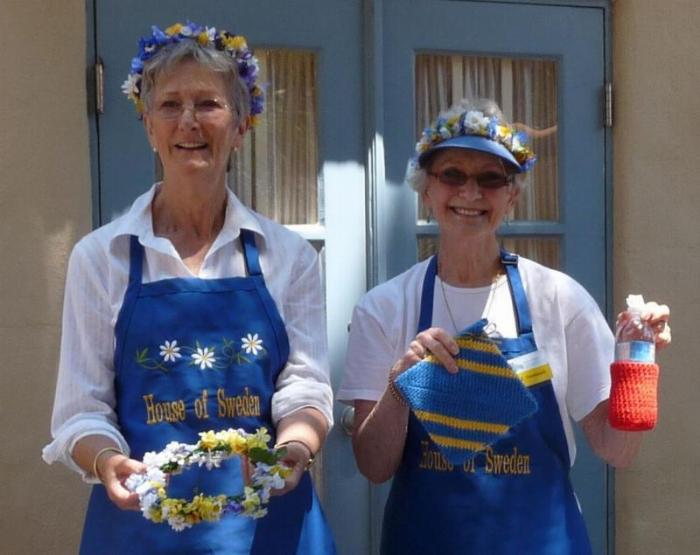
x=634, y=374
x=634, y=337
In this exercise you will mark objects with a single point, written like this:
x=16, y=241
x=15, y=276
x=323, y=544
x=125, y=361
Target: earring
x=155, y=149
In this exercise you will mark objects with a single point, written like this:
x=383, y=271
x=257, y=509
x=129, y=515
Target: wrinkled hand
x=435, y=341
x=658, y=316
x=296, y=458
x=113, y=470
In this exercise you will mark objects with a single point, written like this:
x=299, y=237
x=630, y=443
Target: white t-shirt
x=98, y=273
x=567, y=323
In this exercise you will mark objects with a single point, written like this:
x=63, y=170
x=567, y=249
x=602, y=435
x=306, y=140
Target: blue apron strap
x=522, y=309
x=132, y=292
x=135, y=262
x=250, y=253
x=252, y=263
x=426, y=298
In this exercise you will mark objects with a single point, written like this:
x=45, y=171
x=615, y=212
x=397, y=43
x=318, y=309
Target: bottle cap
x=635, y=304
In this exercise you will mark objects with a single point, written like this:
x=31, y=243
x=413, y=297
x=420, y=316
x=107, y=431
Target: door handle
x=347, y=420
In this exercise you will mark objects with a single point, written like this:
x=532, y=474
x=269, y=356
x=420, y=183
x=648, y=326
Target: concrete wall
x=44, y=208
x=657, y=252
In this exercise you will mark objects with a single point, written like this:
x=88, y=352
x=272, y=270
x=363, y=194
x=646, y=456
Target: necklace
x=489, y=300
x=447, y=305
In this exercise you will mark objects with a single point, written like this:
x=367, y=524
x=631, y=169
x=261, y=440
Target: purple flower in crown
x=136, y=65
x=529, y=163
x=520, y=137
x=247, y=72
x=159, y=36
x=146, y=48
x=492, y=129
x=256, y=104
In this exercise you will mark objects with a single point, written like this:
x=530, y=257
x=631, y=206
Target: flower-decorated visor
x=476, y=131
x=473, y=142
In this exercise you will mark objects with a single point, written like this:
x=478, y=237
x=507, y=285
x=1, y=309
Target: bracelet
x=312, y=455
x=395, y=393
x=99, y=454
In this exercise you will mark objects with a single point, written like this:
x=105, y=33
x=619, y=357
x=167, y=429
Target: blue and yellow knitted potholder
x=463, y=413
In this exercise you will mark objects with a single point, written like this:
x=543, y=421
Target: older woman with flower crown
x=188, y=315
x=514, y=496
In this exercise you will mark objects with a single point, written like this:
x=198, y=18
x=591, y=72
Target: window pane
x=544, y=250
x=276, y=170
x=526, y=90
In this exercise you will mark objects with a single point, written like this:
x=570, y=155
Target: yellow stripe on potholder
x=477, y=344
x=460, y=423
x=490, y=369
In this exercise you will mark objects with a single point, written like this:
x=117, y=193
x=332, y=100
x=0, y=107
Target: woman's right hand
x=113, y=469
x=435, y=341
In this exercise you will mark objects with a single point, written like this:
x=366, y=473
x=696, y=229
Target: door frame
x=376, y=195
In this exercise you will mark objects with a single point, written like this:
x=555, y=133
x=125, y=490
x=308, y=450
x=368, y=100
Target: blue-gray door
x=545, y=64
x=304, y=164
x=369, y=68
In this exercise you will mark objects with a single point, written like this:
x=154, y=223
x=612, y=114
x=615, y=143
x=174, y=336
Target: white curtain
x=526, y=91
x=276, y=170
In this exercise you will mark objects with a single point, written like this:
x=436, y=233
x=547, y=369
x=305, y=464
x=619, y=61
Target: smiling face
x=468, y=209
x=191, y=124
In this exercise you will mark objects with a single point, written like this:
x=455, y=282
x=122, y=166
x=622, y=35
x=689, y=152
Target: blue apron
x=513, y=498
x=194, y=355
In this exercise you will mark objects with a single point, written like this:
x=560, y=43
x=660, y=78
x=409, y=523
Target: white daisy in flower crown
x=252, y=344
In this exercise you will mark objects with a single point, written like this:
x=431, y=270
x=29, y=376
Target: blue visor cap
x=473, y=142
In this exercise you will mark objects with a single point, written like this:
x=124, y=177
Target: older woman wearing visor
x=192, y=313
x=467, y=170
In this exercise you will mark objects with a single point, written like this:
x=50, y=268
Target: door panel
x=304, y=37
x=571, y=235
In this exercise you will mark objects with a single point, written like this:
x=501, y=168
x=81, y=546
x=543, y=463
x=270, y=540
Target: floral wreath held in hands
x=211, y=449
x=208, y=37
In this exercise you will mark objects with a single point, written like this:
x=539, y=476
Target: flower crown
x=211, y=449
x=208, y=37
x=474, y=122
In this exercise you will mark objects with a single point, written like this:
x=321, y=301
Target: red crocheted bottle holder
x=633, y=395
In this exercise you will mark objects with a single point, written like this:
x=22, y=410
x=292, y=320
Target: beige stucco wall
x=657, y=252
x=44, y=207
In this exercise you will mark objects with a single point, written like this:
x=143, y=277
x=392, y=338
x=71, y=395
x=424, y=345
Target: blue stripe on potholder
x=464, y=413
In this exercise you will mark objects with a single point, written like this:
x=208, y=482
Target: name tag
x=532, y=368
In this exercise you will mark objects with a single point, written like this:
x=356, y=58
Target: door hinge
x=608, y=105
x=99, y=87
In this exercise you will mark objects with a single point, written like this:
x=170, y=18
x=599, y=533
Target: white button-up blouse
x=98, y=272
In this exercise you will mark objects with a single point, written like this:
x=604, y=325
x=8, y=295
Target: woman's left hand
x=297, y=458
x=658, y=316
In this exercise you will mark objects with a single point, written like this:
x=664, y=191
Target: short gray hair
x=417, y=176
x=170, y=56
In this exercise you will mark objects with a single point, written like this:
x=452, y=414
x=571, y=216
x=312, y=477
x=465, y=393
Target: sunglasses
x=452, y=177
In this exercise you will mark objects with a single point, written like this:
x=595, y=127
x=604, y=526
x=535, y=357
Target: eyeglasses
x=452, y=177
x=208, y=109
